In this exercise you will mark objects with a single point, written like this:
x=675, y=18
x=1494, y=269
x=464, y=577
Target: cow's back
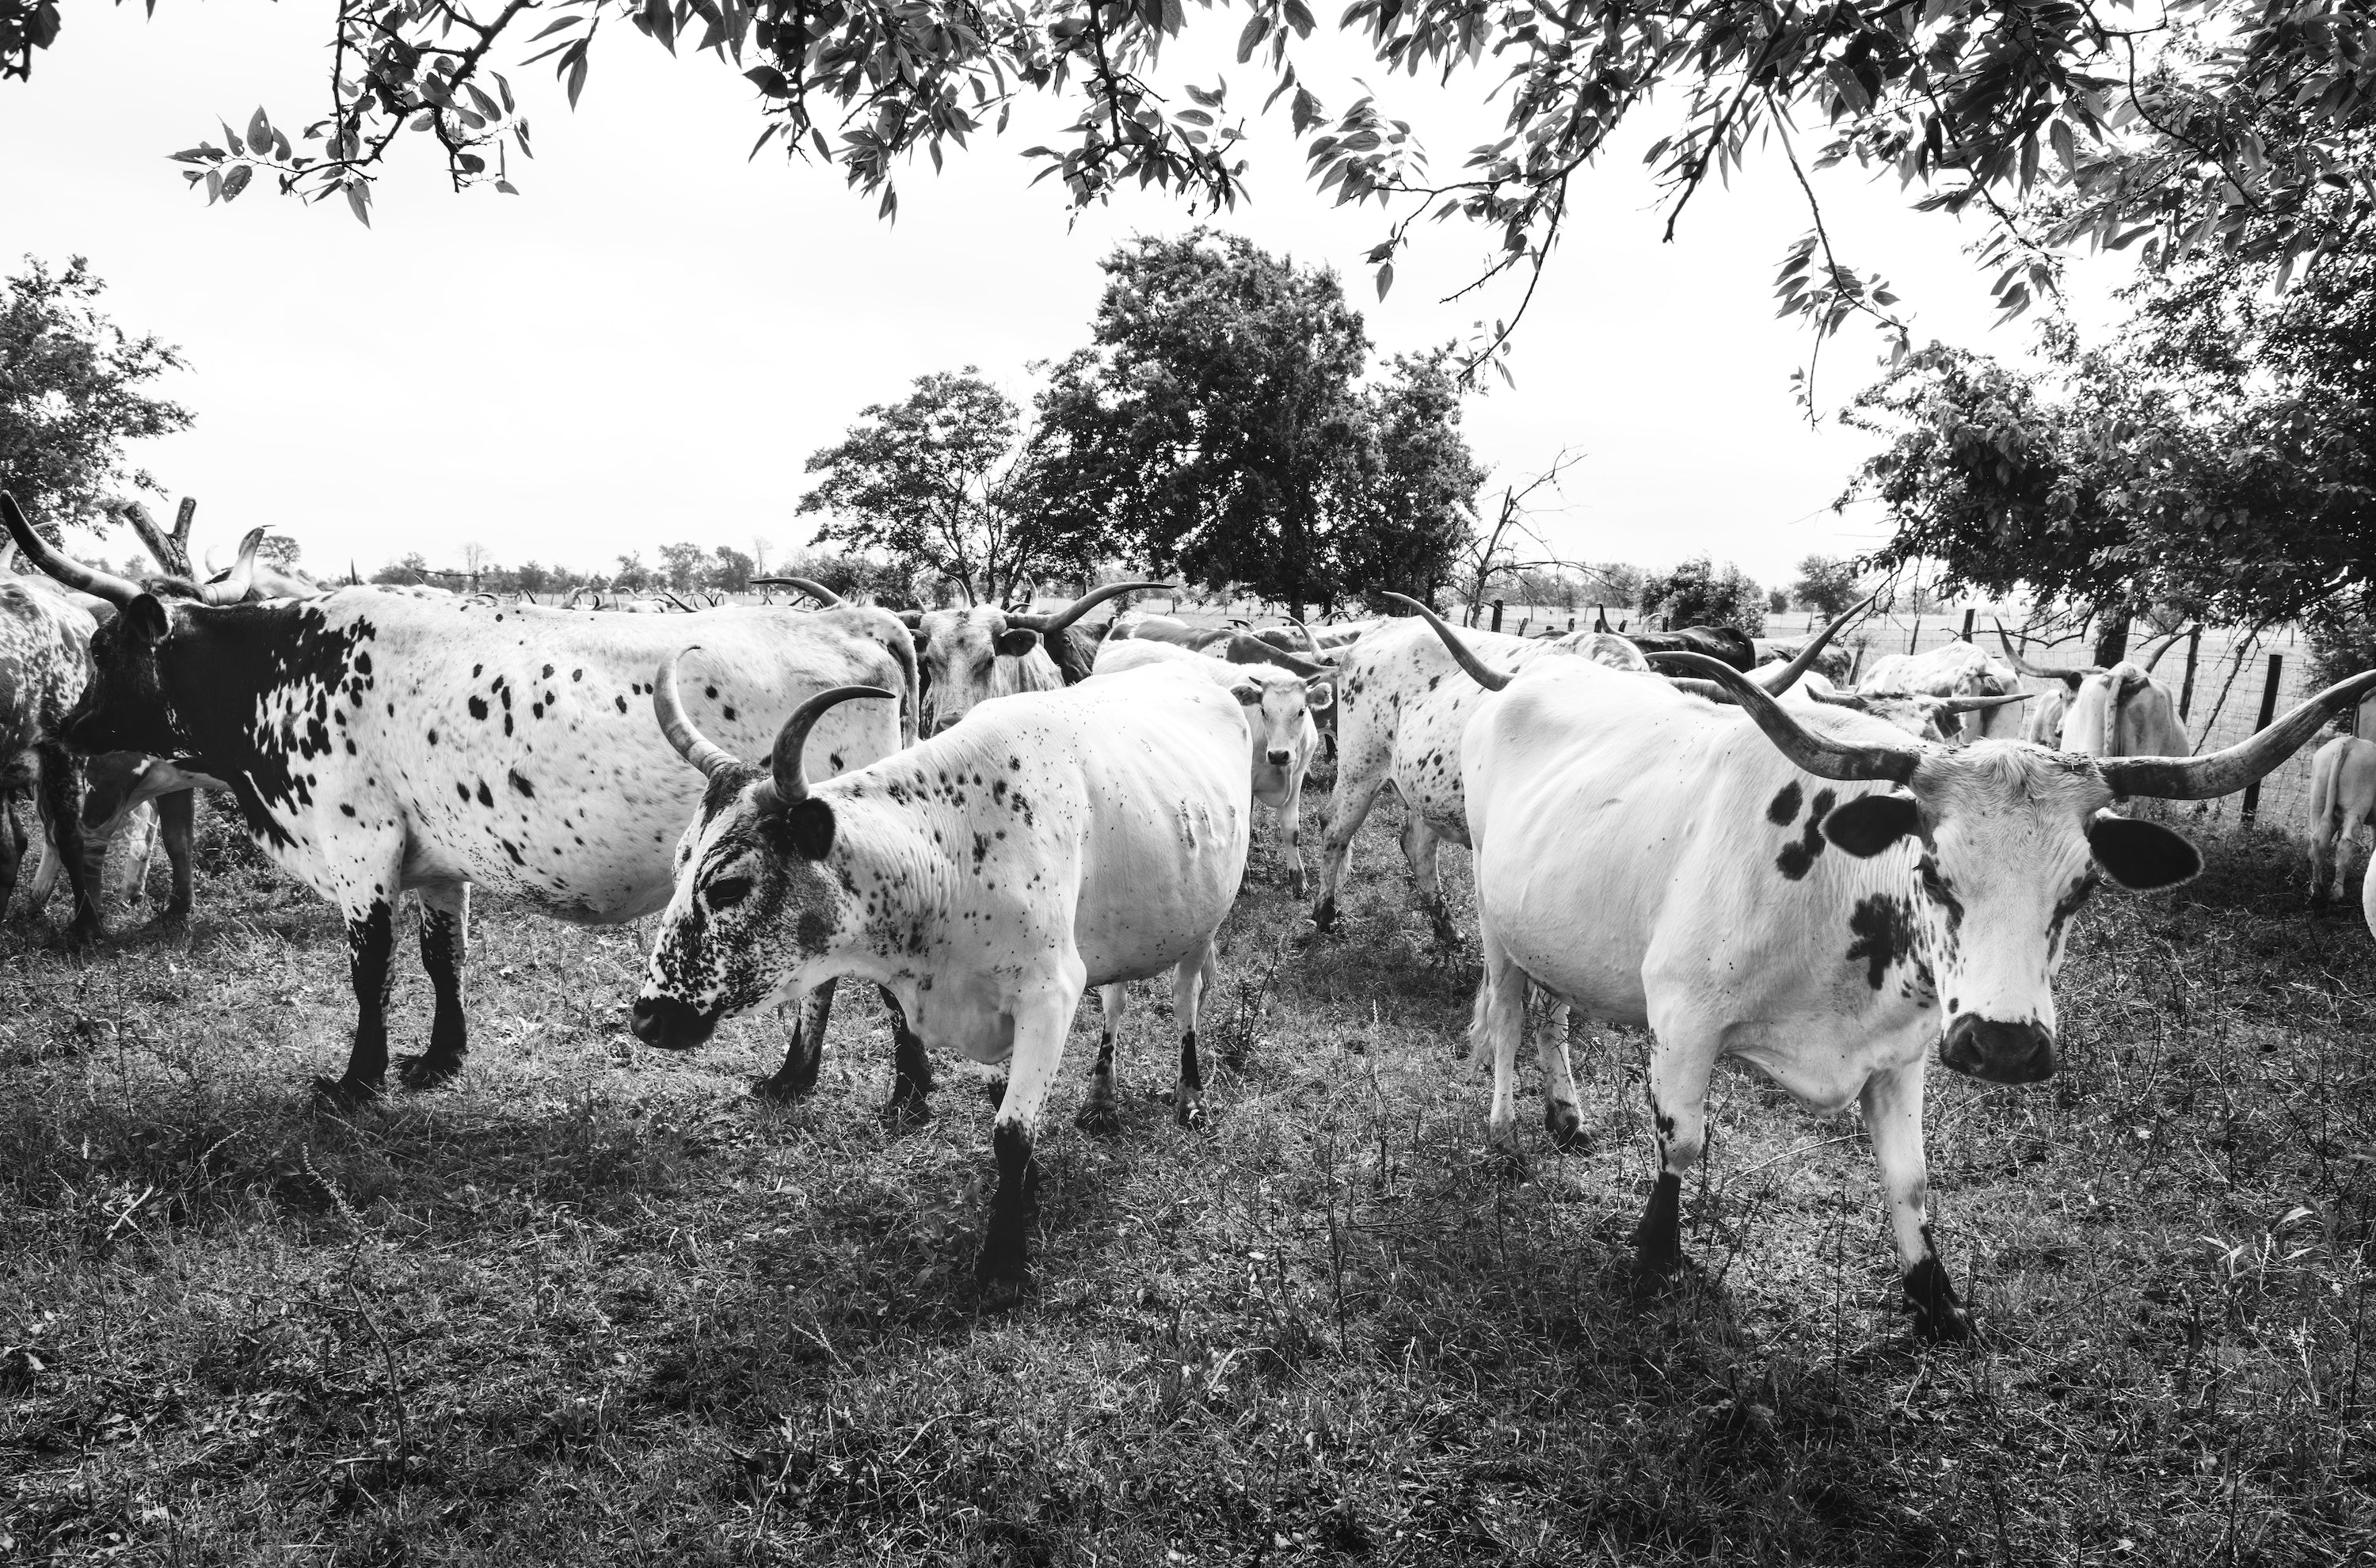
x=44, y=665
x=1403, y=704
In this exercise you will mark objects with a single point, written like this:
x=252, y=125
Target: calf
x=376, y=743
x=2342, y=800
x=1280, y=707
x=1055, y=840
x=1657, y=861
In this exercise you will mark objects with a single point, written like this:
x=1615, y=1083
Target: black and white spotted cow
x=1730, y=877
x=986, y=876
x=44, y=669
x=376, y=743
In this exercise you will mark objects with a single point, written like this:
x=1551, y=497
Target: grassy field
x=595, y=1305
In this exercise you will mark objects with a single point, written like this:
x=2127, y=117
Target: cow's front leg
x=62, y=805
x=1497, y=1021
x=1893, y=1120
x=12, y=847
x=1348, y=807
x=804, y=1055
x=1188, y=982
x=1678, y=1079
x=911, y=1069
x=1562, y=1116
x=177, y=820
x=1041, y=1021
x=1098, y=1112
x=1290, y=827
x=444, y=947
x=371, y=942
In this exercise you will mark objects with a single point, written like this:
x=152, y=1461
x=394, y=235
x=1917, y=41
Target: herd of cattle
x=985, y=813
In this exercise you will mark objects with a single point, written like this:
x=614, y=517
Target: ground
x=594, y=1304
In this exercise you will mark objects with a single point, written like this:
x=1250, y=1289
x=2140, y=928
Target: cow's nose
x=1278, y=759
x=672, y=1024
x=1998, y=1052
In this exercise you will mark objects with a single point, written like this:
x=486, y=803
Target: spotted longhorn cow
x=1657, y=859
x=1402, y=707
x=1054, y=841
x=1282, y=734
x=375, y=743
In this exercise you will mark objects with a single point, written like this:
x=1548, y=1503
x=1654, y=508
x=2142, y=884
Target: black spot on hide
x=1785, y=809
x=1797, y=859
x=522, y=785
x=486, y=796
x=477, y=706
x=1883, y=928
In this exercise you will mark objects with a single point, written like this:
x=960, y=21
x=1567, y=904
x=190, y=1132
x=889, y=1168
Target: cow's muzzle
x=1278, y=759
x=671, y=1025
x=1998, y=1052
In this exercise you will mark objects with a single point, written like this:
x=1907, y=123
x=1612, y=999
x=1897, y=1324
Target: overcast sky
x=648, y=342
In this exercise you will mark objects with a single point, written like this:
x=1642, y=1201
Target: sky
x=646, y=343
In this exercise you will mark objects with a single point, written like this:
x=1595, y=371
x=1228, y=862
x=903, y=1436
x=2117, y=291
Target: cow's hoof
x=909, y=1110
x=1503, y=1165
x=85, y=931
x=1098, y=1118
x=1295, y=884
x=1565, y=1125
x=1950, y=1324
x=778, y=1090
x=1001, y=1273
x=343, y=1096
x=427, y=1071
x=1188, y=1110
x=1324, y=916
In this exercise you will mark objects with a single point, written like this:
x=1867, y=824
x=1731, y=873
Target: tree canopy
x=73, y=390
x=2236, y=125
x=1700, y=593
x=1827, y=585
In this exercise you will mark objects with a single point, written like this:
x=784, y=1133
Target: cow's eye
x=1932, y=883
x=727, y=891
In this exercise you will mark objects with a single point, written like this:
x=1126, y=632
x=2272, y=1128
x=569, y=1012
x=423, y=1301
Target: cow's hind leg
x=12, y=847
x=62, y=808
x=1098, y=1112
x=1495, y=1023
x=806, y=1052
x=1893, y=1120
x=1188, y=984
x=1680, y=1062
x=1563, y=1117
x=444, y=948
x=911, y=1069
x=371, y=942
x=1348, y=807
x=177, y=819
x=1041, y=1018
x=1420, y=842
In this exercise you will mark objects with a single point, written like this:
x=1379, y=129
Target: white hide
x=2343, y=799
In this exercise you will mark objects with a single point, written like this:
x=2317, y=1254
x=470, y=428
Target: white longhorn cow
x=1054, y=841
x=2342, y=800
x=1730, y=877
x=2119, y=711
x=1952, y=670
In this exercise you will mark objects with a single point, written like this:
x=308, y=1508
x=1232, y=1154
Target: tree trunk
x=2111, y=633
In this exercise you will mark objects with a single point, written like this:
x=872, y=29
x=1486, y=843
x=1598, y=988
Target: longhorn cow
x=2119, y=711
x=376, y=743
x=2342, y=800
x=1054, y=841
x=1956, y=670
x=1654, y=859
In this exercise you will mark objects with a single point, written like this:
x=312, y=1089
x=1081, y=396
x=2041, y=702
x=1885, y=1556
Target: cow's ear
x=146, y=617
x=921, y=637
x=808, y=828
x=1869, y=823
x=2142, y=856
x=1248, y=693
x=1016, y=641
x=1321, y=694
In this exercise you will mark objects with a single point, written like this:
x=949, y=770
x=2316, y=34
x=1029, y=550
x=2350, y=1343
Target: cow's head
x=1279, y=705
x=754, y=893
x=124, y=706
x=2005, y=841
x=957, y=650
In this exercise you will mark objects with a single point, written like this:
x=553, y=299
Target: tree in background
x=730, y=571
x=943, y=480
x=632, y=575
x=72, y=393
x=403, y=572
x=683, y=565
x=1827, y=585
x=280, y=550
x=1418, y=484
x=853, y=576
x=1697, y=593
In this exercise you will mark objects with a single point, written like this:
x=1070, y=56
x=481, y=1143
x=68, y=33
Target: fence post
x=1969, y=611
x=1570, y=623
x=1916, y=635
x=1497, y=615
x=2268, y=711
x=2186, y=690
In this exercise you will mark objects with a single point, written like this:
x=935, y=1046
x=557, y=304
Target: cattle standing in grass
x=2342, y=800
x=376, y=743
x=1659, y=860
x=1402, y=705
x=1280, y=707
x=1054, y=841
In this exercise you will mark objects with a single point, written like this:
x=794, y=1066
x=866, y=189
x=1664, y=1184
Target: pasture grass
x=595, y=1305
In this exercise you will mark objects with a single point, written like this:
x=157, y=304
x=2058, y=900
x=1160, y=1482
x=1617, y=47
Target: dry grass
x=595, y=1305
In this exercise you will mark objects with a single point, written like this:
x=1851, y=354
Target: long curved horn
x=792, y=777
x=116, y=590
x=2167, y=643
x=8, y=557
x=1058, y=620
x=1310, y=643
x=1817, y=754
x=669, y=708
x=1245, y=649
x=1974, y=704
x=2224, y=773
x=1484, y=674
x=2039, y=671
x=1782, y=680
x=678, y=602
x=818, y=591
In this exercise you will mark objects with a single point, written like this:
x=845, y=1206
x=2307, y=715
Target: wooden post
x=1570, y=623
x=1969, y=611
x=1497, y=615
x=1916, y=635
x=2186, y=689
x=2268, y=711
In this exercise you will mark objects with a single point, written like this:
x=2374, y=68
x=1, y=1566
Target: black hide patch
x=1869, y=823
x=2142, y=855
x=1797, y=859
x=1883, y=926
x=1785, y=809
